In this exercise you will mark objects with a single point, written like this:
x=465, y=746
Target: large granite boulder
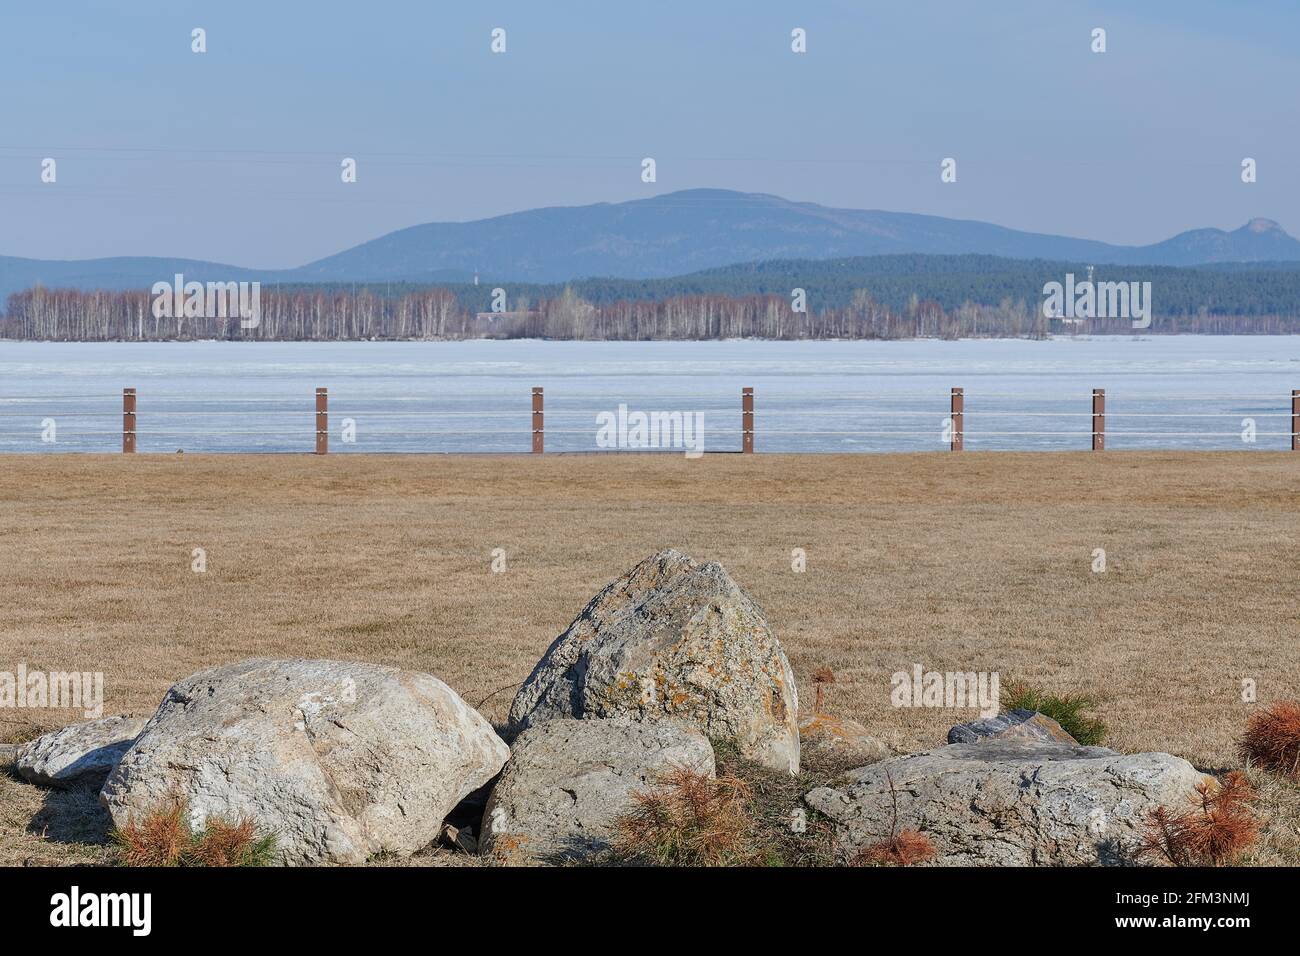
x=672, y=639
x=1010, y=802
x=339, y=760
x=1011, y=725
x=568, y=780
x=80, y=755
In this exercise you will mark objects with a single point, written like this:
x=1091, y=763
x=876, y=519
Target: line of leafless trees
x=334, y=314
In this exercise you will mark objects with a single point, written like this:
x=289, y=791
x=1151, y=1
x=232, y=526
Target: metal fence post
x=539, y=424
x=958, y=413
x=1098, y=419
x=322, y=421
x=747, y=421
x=128, y=421
x=1295, y=419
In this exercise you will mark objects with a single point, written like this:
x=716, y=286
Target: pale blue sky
x=234, y=155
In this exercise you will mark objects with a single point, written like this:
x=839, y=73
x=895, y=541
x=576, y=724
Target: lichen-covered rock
x=672, y=640
x=1011, y=725
x=1010, y=802
x=338, y=760
x=568, y=780
x=80, y=755
x=839, y=739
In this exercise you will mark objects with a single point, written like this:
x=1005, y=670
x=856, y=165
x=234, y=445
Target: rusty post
x=1098, y=419
x=322, y=421
x=1295, y=419
x=539, y=424
x=747, y=421
x=958, y=420
x=128, y=421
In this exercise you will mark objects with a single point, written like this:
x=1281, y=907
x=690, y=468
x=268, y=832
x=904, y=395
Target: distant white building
x=1076, y=320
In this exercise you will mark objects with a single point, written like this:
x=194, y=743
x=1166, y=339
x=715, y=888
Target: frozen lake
x=1162, y=392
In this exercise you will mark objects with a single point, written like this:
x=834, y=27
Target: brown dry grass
x=1217, y=828
x=970, y=562
x=40, y=827
x=166, y=837
x=1277, y=811
x=1272, y=739
x=158, y=839
x=904, y=848
x=688, y=818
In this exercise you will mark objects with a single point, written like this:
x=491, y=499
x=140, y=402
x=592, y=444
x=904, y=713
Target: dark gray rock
x=1012, y=724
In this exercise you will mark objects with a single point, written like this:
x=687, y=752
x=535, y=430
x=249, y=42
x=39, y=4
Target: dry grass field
x=954, y=561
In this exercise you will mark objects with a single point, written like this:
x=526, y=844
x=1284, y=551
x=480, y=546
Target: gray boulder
x=339, y=760
x=1010, y=802
x=672, y=639
x=1011, y=725
x=568, y=780
x=80, y=755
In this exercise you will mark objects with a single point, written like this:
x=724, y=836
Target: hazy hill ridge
x=667, y=235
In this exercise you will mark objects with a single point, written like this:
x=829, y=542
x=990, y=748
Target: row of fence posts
x=957, y=413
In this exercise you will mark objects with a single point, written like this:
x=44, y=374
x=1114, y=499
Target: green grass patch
x=1068, y=711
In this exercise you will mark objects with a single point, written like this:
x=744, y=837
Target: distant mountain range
x=668, y=235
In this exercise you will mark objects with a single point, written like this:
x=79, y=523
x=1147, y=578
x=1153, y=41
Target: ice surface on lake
x=1162, y=392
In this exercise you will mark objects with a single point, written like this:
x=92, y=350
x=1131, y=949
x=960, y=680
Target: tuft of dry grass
x=231, y=844
x=1272, y=740
x=688, y=819
x=902, y=849
x=164, y=837
x=750, y=815
x=1217, y=829
x=159, y=838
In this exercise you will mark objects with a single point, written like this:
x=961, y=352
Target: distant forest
x=880, y=297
